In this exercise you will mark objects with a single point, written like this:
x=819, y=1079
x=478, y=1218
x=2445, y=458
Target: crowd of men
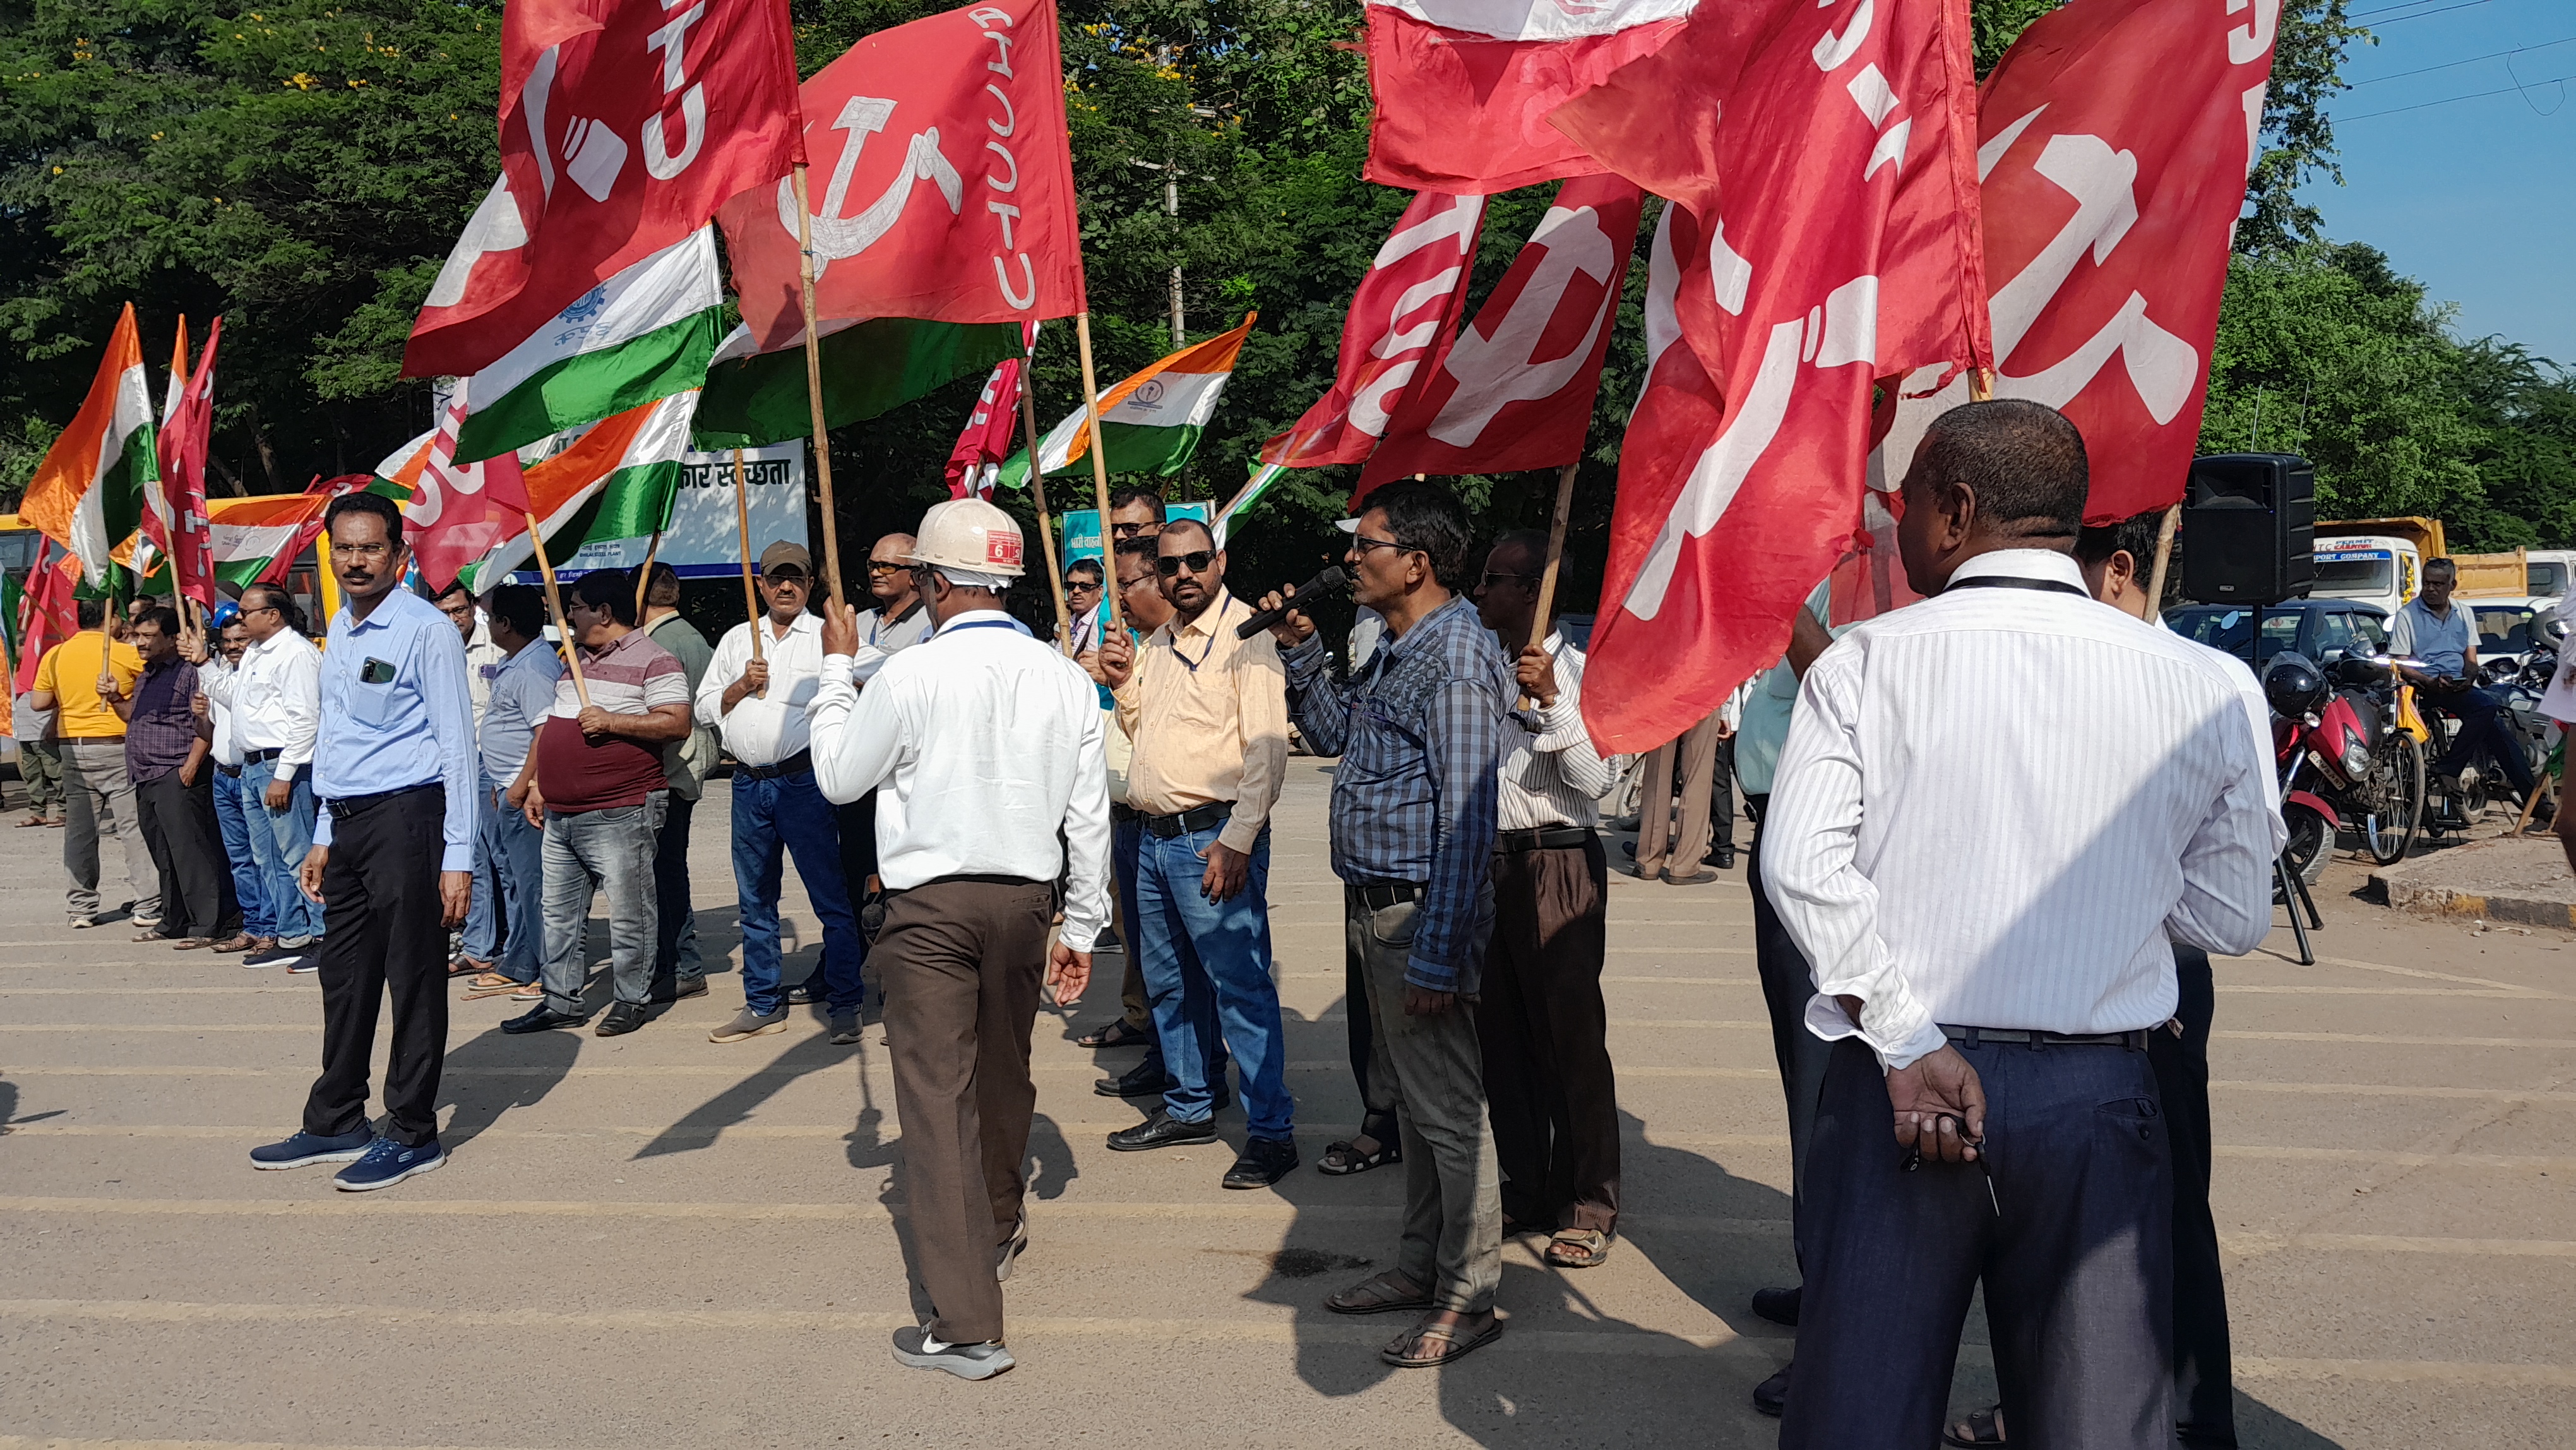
x=1981, y=936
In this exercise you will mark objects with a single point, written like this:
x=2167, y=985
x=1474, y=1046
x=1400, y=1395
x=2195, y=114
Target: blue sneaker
x=306, y=1148
x=387, y=1163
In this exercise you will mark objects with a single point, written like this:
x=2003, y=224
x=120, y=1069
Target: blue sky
x=2477, y=198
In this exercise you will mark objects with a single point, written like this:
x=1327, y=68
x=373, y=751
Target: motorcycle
x=2346, y=760
x=2520, y=684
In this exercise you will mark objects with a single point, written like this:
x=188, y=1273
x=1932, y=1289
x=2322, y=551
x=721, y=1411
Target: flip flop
x=1577, y=1248
x=461, y=965
x=1376, y=1291
x=1447, y=1333
x=490, y=984
x=1982, y=1431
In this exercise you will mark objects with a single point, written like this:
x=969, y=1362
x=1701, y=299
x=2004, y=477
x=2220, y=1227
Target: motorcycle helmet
x=225, y=613
x=2293, y=686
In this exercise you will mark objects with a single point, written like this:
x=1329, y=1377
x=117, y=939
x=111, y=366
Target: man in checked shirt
x=1420, y=732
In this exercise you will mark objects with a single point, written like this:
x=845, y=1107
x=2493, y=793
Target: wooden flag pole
x=2164, y=554
x=814, y=386
x=1099, y=465
x=742, y=520
x=644, y=576
x=1046, y=529
x=554, y=601
x=1555, y=554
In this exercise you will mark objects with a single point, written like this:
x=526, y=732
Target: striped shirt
x=1420, y=733
x=1553, y=775
x=632, y=676
x=1998, y=808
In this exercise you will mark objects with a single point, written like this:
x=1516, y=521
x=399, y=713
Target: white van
x=2380, y=569
x=2551, y=570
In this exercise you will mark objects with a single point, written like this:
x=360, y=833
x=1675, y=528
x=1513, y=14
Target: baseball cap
x=783, y=554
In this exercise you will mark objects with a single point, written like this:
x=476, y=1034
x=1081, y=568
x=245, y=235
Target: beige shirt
x=1209, y=717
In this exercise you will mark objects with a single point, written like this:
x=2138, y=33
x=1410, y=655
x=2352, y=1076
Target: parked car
x=2508, y=627
x=2324, y=630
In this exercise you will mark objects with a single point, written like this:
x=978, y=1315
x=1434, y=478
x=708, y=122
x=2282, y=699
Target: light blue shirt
x=523, y=695
x=1764, y=725
x=2442, y=644
x=415, y=728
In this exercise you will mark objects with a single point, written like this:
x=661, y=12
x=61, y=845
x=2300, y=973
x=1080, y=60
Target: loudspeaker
x=2249, y=524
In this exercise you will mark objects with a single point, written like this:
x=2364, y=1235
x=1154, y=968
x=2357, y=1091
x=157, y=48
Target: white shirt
x=1553, y=775
x=1998, y=807
x=275, y=696
x=982, y=745
x=219, y=722
x=482, y=661
x=767, y=728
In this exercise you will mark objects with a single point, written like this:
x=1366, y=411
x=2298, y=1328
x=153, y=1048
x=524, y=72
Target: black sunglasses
x=1196, y=561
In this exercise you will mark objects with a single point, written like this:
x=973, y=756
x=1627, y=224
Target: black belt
x=1119, y=811
x=255, y=757
x=344, y=807
x=1204, y=818
x=1541, y=838
x=1379, y=895
x=801, y=763
x=2134, y=1041
x=228, y=772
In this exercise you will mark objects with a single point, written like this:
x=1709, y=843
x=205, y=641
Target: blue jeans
x=233, y=806
x=278, y=842
x=2482, y=731
x=772, y=819
x=609, y=852
x=509, y=890
x=1207, y=969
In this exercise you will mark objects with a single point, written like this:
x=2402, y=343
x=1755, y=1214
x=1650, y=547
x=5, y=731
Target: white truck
x=2381, y=569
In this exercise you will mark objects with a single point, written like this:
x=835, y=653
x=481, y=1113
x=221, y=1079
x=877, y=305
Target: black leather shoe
x=1780, y=1306
x=1162, y=1131
x=622, y=1018
x=1264, y=1162
x=543, y=1019
x=1724, y=860
x=1772, y=1395
x=808, y=991
x=1145, y=1080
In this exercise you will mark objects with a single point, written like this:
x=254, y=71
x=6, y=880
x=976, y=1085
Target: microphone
x=1331, y=581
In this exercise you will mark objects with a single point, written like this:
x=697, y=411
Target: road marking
x=2377, y=1039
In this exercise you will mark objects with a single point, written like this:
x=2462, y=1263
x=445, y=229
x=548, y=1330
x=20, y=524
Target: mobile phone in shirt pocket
x=372, y=699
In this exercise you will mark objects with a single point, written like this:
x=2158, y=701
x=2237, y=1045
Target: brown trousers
x=962, y=960
x=1545, y=1033
x=1662, y=845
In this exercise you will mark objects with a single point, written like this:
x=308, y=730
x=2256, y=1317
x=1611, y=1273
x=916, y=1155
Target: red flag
x=1404, y=312
x=174, y=514
x=2116, y=137
x=1514, y=389
x=1463, y=88
x=1844, y=248
x=987, y=439
x=952, y=162
x=48, y=614
x=457, y=512
x=624, y=125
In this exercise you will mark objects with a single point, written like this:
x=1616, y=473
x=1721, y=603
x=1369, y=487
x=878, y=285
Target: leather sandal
x=1577, y=1248
x=1378, y=1294
x=1456, y=1340
x=1341, y=1159
x=1117, y=1034
x=1983, y=1427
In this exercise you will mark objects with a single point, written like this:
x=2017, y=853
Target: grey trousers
x=95, y=785
x=609, y=852
x=1453, y=1201
x=40, y=765
x=1684, y=766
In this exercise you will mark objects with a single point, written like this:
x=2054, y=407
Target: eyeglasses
x=1362, y=543
x=1196, y=561
x=791, y=578
x=1130, y=586
x=1132, y=531
x=377, y=550
x=888, y=566
x=251, y=609
x=1082, y=586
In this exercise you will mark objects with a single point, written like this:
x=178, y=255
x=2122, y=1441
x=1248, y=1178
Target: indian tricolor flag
x=1151, y=422
x=617, y=481
x=87, y=495
x=644, y=334
x=259, y=538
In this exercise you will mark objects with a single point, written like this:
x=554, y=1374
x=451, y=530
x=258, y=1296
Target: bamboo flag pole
x=2164, y=554
x=814, y=386
x=1555, y=554
x=644, y=576
x=554, y=601
x=1099, y=464
x=742, y=520
x=1046, y=530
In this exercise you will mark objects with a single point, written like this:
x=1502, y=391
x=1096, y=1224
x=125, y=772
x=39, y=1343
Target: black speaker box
x=2249, y=523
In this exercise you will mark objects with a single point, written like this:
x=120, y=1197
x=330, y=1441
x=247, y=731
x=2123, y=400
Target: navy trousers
x=2075, y=1247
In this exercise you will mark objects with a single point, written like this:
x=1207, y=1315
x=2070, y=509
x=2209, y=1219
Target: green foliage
x=300, y=168
x=2324, y=350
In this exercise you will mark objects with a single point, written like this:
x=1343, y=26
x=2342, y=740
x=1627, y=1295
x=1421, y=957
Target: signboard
x=705, y=540
x=2344, y=556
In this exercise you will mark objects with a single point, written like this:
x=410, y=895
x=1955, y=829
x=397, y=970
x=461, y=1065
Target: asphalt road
x=654, y=1240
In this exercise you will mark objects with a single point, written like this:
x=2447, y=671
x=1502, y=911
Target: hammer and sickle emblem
x=836, y=236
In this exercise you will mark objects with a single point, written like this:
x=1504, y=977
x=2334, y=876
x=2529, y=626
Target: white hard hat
x=968, y=533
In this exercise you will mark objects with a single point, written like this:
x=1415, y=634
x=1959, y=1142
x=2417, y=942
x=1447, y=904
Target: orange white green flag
x=87, y=494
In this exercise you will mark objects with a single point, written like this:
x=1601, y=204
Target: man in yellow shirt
x=94, y=778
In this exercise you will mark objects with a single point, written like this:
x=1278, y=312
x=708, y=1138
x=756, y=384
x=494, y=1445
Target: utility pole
x=1171, y=208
